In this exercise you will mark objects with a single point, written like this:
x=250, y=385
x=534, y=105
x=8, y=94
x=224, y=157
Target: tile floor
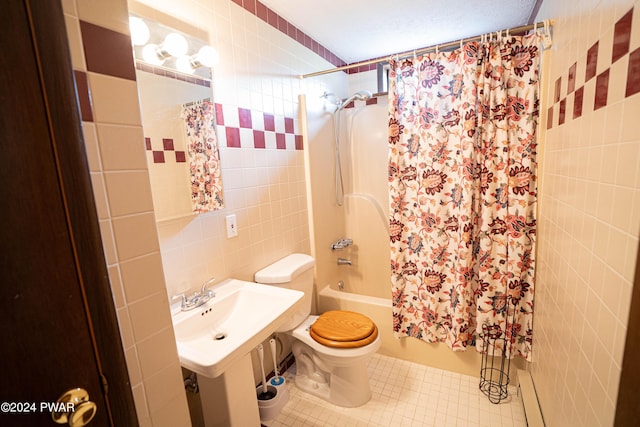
x=405, y=394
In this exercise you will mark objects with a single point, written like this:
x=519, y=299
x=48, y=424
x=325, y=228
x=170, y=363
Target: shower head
x=361, y=95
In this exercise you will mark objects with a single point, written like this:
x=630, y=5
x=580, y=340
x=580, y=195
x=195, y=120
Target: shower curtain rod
x=514, y=30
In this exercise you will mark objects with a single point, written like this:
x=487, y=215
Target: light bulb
x=139, y=31
x=207, y=56
x=183, y=64
x=150, y=55
x=175, y=44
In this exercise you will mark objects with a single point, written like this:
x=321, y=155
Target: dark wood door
x=58, y=326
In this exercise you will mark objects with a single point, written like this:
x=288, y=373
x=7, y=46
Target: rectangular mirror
x=178, y=118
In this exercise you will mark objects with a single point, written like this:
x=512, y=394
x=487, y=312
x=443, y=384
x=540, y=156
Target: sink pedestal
x=230, y=399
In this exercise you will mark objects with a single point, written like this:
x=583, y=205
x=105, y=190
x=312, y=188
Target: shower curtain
x=462, y=180
x=204, y=158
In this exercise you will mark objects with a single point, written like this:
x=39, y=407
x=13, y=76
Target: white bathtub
x=437, y=355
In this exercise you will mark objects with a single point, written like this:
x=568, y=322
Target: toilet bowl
x=331, y=350
x=337, y=375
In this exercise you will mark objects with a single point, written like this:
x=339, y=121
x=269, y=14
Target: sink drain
x=219, y=336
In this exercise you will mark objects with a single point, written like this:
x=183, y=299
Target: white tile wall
x=588, y=223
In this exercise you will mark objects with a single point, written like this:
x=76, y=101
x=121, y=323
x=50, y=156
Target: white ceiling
x=358, y=30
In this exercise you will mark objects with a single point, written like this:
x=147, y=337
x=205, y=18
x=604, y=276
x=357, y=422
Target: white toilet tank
x=294, y=271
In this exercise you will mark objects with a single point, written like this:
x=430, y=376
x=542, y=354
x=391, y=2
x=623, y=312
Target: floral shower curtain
x=204, y=158
x=462, y=176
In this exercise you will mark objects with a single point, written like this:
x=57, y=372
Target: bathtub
x=437, y=355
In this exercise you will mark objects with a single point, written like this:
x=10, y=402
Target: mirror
x=178, y=118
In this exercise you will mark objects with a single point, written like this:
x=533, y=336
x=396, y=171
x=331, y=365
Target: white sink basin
x=241, y=315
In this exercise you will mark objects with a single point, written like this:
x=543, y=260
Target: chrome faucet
x=341, y=244
x=342, y=261
x=197, y=298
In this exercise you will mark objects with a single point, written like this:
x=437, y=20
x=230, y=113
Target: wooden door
x=58, y=326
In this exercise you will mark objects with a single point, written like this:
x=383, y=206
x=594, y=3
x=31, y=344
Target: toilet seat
x=343, y=329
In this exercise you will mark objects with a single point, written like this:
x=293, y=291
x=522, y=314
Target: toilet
x=332, y=349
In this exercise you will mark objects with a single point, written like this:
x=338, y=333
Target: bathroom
x=589, y=213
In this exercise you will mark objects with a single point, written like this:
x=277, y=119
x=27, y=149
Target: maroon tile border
x=107, y=51
x=363, y=68
x=620, y=48
x=247, y=119
x=267, y=15
x=159, y=71
x=262, y=126
x=167, y=145
x=260, y=122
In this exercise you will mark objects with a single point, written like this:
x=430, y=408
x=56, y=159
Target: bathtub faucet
x=341, y=244
x=342, y=261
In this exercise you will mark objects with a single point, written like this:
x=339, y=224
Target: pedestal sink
x=215, y=341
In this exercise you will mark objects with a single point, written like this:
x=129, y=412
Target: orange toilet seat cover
x=343, y=329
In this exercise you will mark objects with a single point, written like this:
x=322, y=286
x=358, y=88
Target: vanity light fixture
x=161, y=46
